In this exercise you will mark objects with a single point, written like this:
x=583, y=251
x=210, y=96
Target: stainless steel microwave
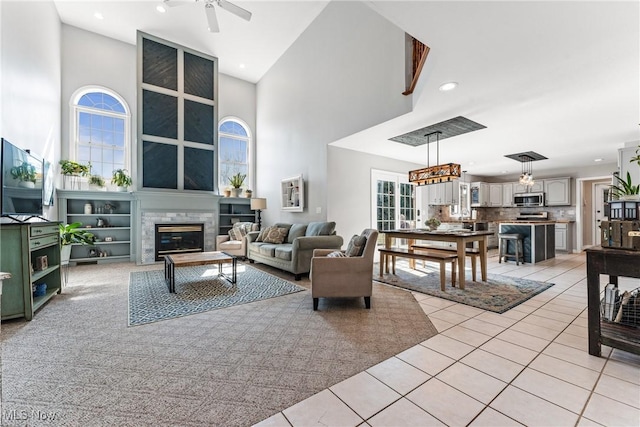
x=528, y=200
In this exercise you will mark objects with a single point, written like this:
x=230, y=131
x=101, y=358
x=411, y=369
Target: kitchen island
x=539, y=238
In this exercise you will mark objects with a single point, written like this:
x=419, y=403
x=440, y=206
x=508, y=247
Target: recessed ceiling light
x=242, y=66
x=98, y=15
x=160, y=8
x=472, y=163
x=448, y=86
x=597, y=160
x=503, y=172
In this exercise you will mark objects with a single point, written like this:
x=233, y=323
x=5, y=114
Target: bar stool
x=517, y=239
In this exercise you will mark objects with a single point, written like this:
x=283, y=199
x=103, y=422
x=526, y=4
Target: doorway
x=591, y=195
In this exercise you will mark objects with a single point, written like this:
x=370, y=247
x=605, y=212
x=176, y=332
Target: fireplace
x=178, y=238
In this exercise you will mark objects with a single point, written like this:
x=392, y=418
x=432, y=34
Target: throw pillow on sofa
x=275, y=235
x=356, y=246
x=336, y=254
x=320, y=228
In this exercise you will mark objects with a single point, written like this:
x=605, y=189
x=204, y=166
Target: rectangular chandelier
x=435, y=174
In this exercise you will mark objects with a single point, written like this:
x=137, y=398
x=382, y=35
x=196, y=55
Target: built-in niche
x=177, y=116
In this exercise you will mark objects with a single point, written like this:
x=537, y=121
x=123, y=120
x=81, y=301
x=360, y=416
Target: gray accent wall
x=345, y=73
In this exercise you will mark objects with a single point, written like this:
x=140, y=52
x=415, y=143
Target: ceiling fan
x=210, y=11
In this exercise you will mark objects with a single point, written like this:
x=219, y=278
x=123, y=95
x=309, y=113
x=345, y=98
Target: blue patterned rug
x=498, y=294
x=198, y=289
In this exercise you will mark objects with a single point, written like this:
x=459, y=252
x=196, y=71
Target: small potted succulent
x=432, y=223
x=121, y=179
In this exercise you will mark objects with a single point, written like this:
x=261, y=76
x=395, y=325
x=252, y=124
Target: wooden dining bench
x=441, y=257
x=472, y=253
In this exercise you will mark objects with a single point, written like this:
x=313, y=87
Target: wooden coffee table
x=198, y=258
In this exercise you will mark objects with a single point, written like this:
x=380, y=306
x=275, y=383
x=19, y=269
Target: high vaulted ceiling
x=558, y=78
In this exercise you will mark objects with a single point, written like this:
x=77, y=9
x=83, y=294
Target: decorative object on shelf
x=109, y=208
x=437, y=173
x=258, y=204
x=88, y=209
x=121, y=179
x=227, y=192
x=248, y=193
x=96, y=182
x=432, y=223
x=39, y=290
x=236, y=182
x=73, y=233
x=625, y=189
x=101, y=223
x=71, y=172
x=25, y=174
x=109, y=239
x=42, y=263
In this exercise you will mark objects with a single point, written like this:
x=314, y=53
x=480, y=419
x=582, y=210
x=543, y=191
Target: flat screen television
x=21, y=182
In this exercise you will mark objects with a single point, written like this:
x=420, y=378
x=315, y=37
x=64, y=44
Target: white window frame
x=249, y=181
x=75, y=110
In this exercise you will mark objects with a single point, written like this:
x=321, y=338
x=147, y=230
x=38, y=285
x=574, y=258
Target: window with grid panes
x=101, y=131
x=234, y=142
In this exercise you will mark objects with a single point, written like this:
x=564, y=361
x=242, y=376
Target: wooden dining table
x=459, y=237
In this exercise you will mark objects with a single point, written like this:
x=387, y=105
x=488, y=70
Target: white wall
x=349, y=187
x=345, y=73
x=30, y=73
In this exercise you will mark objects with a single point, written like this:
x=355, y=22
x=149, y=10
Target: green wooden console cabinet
x=23, y=248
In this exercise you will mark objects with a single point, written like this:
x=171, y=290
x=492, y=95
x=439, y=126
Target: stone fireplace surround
x=159, y=207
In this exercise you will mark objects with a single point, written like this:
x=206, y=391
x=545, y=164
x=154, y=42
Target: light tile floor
x=527, y=366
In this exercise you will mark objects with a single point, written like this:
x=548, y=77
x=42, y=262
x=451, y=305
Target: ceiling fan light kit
x=210, y=11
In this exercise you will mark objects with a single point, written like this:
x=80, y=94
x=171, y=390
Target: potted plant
x=121, y=179
x=26, y=174
x=71, y=171
x=248, y=193
x=70, y=234
x=96, y=182
x=432, y=223
x=236, y=182
x=625, y=190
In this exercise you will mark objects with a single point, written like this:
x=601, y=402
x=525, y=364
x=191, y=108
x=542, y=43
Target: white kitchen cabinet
x=537, y=187
x=507, y=194
x=445, y=193
x=479, y=194
x=495, y=195
x=561, y=237
x=557, y=191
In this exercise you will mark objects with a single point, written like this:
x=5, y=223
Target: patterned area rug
x=499, y=294
x=198, y=289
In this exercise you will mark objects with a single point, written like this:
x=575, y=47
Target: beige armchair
x=237, y=245
x=349, y=276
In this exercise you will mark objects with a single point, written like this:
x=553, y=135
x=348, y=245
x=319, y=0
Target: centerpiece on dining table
x=432, y=223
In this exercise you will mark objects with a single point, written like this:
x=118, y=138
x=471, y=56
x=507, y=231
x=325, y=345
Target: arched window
x=234, y=142
x=100, y=130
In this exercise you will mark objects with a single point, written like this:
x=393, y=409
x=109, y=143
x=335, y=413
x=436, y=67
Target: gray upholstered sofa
x=296, y=250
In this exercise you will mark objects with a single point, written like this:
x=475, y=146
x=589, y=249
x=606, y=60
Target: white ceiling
x=558, y=78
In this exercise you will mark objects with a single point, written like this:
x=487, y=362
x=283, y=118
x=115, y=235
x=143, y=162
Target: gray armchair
x=349, y=276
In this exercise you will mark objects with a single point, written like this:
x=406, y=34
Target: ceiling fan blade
x=236, y=10
x=212, y=21
x=174, y=3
